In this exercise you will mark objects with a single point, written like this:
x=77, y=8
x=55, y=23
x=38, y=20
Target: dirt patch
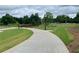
x=74, y=45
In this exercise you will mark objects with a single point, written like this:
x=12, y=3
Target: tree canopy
x=34, y=19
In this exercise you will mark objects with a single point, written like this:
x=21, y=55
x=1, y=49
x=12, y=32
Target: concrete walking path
x=40, y=42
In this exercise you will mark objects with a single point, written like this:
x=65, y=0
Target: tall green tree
x=35, y=19
x=76, y=18
x=26, y=20
x=62, y=19
x=48, y=18
x=7, y=19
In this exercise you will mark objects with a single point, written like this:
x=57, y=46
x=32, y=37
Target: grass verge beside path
x=12, y=37
x=63, y=33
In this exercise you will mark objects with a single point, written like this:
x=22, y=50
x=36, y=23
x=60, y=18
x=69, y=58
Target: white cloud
x=20, y=10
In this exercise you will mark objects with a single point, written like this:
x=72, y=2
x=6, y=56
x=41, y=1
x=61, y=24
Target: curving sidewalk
x=40, y=42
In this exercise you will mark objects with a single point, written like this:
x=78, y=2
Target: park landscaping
x=62, y=30
x=12, y=37
x=63, y=26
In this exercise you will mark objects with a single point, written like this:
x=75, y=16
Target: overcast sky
x=21, y=10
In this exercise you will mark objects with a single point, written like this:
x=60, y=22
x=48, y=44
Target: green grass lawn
x=6, y=26
x=61, y=30
x=12, y=37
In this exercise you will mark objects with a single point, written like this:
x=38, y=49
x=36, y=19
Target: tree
x=35, y=19
x=48, y=18
x=0, y=22
x=62, y=19
x=26, y=20
x=19, y=20
x=76, y=18
x=7, y=19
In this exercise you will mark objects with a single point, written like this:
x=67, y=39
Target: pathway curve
x=40, y=42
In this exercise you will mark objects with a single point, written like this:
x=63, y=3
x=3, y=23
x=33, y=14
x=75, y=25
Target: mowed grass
x=8, y=26
x=61, y=30
x=12, y=37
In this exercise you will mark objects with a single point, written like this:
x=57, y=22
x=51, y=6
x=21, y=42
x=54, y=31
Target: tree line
x=34, y=19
